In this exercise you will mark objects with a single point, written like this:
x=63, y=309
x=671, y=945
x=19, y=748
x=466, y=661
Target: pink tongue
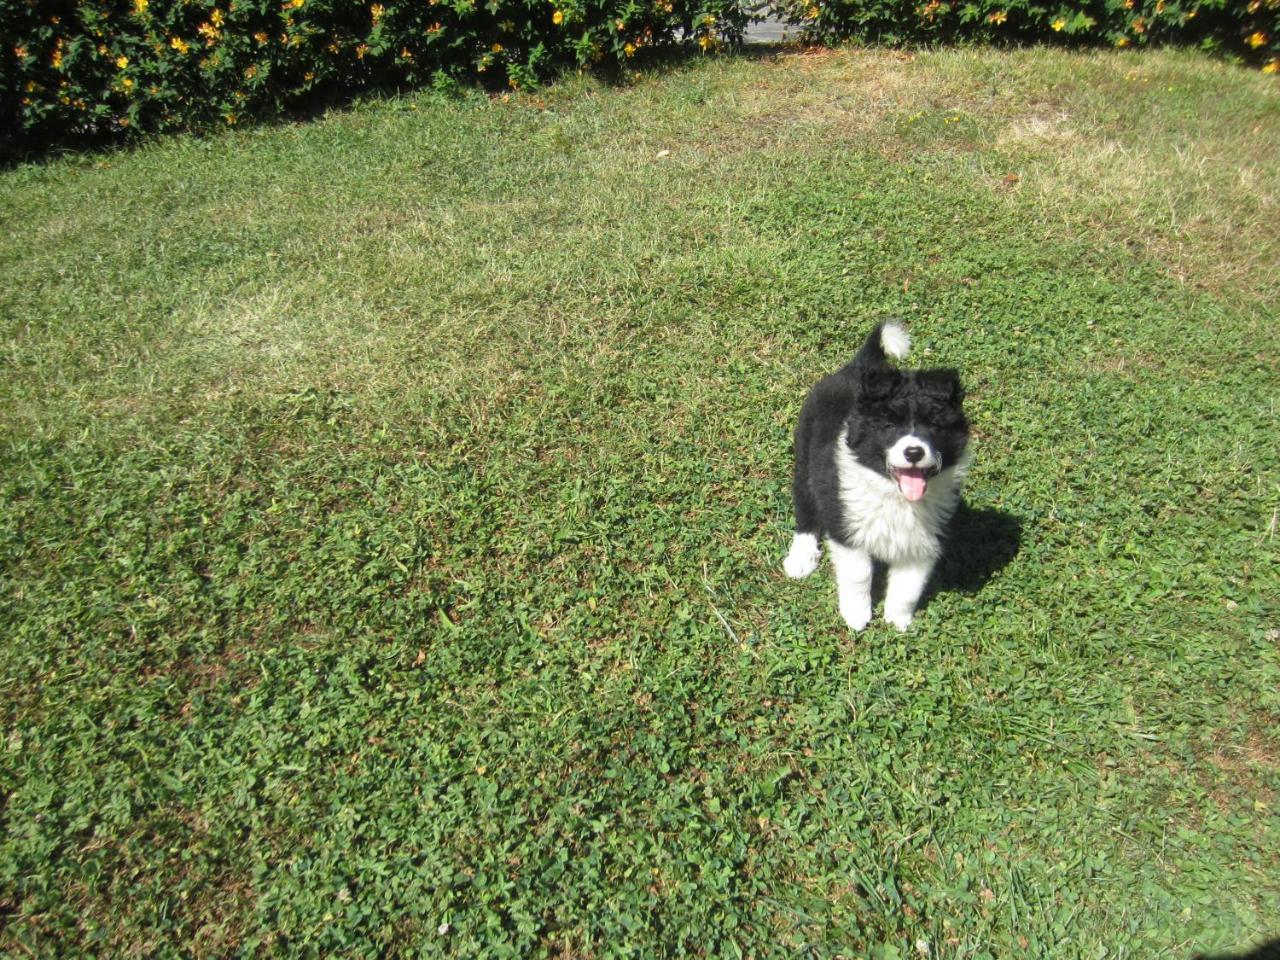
x=912, y=484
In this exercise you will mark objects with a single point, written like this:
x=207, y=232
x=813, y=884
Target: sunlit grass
x=393, y=507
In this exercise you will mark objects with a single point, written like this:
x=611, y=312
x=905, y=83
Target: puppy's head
x=909, y=425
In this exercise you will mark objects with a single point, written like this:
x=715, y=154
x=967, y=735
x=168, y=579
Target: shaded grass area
x=393, y=507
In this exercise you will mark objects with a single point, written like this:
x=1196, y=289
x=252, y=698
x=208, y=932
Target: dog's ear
x=877, y=384
x=942, y=385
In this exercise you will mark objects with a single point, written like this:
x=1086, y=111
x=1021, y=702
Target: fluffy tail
x=889, y=339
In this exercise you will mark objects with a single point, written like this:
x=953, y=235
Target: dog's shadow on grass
x=980, y=543
x=1263, y=951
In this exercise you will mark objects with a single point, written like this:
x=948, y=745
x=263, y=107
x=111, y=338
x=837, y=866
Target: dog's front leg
x=906, y=583
x=853, y=583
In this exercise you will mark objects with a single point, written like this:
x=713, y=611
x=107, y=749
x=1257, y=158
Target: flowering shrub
x=78, y=69
x=1248, y=30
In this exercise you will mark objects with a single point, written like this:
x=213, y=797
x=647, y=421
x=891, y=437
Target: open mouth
x=911, y=481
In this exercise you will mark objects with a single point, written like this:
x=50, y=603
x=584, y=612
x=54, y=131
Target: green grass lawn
x=393, y=508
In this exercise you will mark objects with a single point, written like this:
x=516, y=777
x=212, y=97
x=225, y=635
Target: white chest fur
x=881, y=521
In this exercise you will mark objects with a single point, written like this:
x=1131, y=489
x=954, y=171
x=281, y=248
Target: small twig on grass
x=725, y=623
x=706, y=585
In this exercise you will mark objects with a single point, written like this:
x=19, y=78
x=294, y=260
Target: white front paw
x=802, y=560
x=900, y=618
x=856, y=616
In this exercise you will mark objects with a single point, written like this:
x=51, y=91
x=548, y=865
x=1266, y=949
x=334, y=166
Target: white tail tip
x=895, y=340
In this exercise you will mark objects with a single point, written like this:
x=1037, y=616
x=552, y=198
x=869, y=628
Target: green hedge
x=1246, y=30
x=89, y=69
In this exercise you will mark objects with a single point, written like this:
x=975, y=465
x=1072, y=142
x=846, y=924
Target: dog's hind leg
x=802, y=558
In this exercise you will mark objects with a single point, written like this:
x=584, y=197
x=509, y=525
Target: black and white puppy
x=881, y=454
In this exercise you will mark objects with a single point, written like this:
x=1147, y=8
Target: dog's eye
x=945, y=413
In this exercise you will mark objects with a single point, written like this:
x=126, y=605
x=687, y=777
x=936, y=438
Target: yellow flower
x=179, y=44
x=1159, y=7
x=708, y=21
x=558, y=17
x=704, y=42
x=56, y=59
x=251, y=71
x=1122, y=42
x=122, y=62
x=1139, y=25
x=19, y=52
x=139, y=7
x=998, y=17
x=496, y=48
x=406, y=53
x=1058, y=24
x=261, y=37
x=629, y=49
x=295, y=3
x=1273, y=66
x=127, y=83
x=377, y=10
x=216, y=18
x=209, y=32
x=1191, y=14
x=620, y=25
x=361, y=51
x=308, y=76
x=229, y=117
x=1256, y=39
x=332, y=48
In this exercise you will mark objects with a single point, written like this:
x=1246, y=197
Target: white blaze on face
x=912, y=461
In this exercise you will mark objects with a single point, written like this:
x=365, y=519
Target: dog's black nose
x=913, y=454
